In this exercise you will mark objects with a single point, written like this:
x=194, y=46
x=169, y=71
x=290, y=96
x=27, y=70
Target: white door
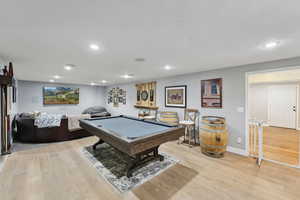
x=282, y=106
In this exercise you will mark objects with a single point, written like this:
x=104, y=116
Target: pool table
x=138, y=138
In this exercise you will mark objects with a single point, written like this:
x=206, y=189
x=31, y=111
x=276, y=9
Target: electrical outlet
x=239, y=140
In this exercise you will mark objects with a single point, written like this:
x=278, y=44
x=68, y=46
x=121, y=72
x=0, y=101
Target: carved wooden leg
x=195, y=134
x=100, y=141
x=132, y=165
x=156, y=155
x=142, y=158
x=190, y=135
x=185, y=132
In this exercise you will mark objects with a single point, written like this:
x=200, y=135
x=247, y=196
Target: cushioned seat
x=168, y=117
x=96, y=111
x=28, y=132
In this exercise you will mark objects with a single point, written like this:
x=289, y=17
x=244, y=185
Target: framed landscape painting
x=60, y=95
x=211, y=93
x=175, y=96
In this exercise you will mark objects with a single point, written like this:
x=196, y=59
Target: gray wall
x=233, y=95
x=30, y=98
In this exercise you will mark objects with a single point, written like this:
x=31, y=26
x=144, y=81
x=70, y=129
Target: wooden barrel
x=213, y=136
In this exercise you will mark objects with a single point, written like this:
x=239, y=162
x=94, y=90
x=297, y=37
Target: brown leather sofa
x=27, y=132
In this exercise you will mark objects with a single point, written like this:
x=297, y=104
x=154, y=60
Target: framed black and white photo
x=175, y=96
x=109, y=99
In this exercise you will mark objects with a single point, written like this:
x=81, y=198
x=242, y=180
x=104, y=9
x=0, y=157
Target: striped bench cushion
x=169, y=117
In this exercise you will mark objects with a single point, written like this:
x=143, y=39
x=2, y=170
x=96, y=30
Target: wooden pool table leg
x=134, y=164
x=142, y=158
x=100, y=141
x=156, y=155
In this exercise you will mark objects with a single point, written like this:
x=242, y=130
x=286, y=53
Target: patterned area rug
x=111, y=165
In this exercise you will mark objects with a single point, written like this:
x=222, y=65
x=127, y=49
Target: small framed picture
x=115, y=101
x=109, y=99
x=175, y=96
x=120, y=92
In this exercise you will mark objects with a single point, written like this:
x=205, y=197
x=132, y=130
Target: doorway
x=282, y=102
x=272, y=108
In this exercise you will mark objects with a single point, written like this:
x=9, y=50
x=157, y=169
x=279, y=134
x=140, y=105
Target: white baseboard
x=281, y=163
x=237, y=151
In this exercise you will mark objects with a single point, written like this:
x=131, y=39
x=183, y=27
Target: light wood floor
x=59, y=172
x=281, y=144
x=1, y=161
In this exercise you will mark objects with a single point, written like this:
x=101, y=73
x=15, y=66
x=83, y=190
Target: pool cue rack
x=146, y=95
x=146, y=99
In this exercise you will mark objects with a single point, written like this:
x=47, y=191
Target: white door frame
x=247, y=74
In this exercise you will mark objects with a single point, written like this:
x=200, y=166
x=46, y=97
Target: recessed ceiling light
x=104, y=81
x=51, y=80
x=271, y=45
x=127, y=76
x=92, y=83
x=69, y=67
x=168, y=67
x=94, y=47
x=140, y=59
x=56, y=76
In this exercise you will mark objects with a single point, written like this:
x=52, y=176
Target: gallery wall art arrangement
x=116, y=96
x=60, y=95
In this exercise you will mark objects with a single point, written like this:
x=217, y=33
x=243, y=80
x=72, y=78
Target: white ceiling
x=292, y=75
x=191, y=35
